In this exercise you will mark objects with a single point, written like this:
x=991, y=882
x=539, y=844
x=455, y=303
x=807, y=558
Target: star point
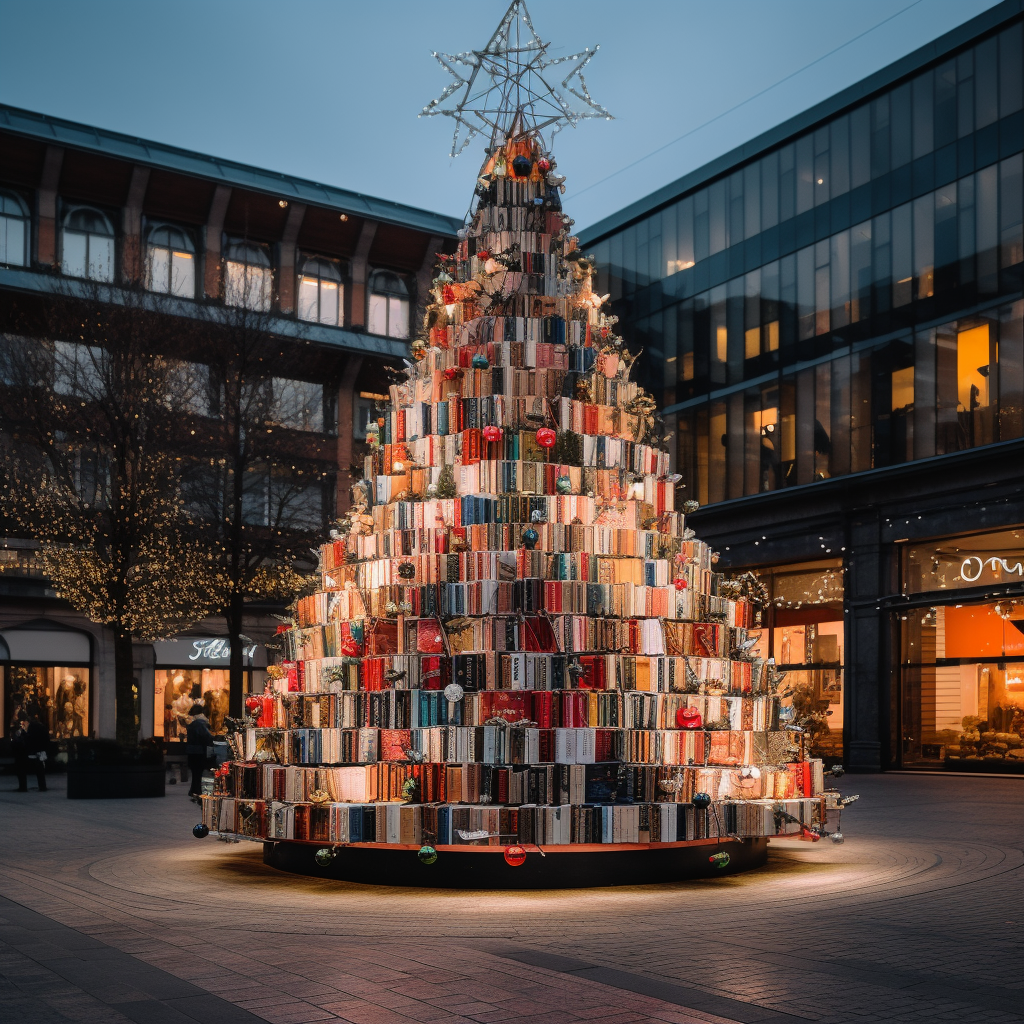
x=504, y=89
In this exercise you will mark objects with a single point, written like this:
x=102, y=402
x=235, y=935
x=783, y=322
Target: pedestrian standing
x=198, y=748
x=29, y=741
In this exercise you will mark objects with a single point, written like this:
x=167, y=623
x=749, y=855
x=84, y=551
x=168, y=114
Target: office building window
x=14, y=230
x=298, y=404
x=88, y=245
x=321, y=292
x=248, y=279
x=388, y=305
x=170, y=262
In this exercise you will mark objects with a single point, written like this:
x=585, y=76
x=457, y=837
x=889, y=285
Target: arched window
x=88, y=245
x=247, y=278
x=13, y=230
x=389, y=305
x=170, y=262
x=320, y=292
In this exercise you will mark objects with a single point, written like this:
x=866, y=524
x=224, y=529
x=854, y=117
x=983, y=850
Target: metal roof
x=57, y=131
x=985, y=22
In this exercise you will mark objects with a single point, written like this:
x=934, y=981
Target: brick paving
x=111, y=912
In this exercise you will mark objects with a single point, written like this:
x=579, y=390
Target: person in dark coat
x=29, y=741
x=198, y=740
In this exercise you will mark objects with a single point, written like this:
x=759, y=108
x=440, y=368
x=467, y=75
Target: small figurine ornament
x=563, y=485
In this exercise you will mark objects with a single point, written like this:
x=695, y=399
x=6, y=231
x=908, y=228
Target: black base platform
x=462, y=867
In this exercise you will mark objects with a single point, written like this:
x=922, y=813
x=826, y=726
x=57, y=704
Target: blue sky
x=330, y=90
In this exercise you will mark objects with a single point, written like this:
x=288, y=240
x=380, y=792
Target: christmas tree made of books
x=517, y=644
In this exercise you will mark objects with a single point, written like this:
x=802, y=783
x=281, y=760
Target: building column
x=360, y=271
x=131, y=225
x=346, y=424
x=286, y=281
x=424, y=277
x=144, y=664
x=866, y=714
x=46, y=207
x=214, y=231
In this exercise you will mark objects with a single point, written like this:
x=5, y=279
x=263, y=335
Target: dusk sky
x=330, y=91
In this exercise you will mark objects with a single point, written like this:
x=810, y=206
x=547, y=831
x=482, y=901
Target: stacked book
x=516, y=638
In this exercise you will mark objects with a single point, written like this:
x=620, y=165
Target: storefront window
x=58, y=696
x=962, y=662
x=963, y=686
x=177, y=689
x=978, y=560
x=803, y=631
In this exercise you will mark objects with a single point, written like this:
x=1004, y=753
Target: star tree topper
x=508, y=81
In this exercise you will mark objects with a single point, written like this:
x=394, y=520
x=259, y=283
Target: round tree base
x=485, y=867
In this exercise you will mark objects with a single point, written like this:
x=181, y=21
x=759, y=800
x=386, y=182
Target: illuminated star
x=513, y=95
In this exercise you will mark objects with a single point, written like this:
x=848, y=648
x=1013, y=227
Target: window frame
x=88, y=235
x=172, y=250
x=23, y=215
x=374, y=290
x=320, y=262
x=266, y=289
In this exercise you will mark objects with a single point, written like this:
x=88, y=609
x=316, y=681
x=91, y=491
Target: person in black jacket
x=198, y=746
x=29, y=741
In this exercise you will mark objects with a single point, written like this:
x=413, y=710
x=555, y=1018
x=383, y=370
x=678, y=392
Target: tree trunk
x=233, y=619
x=125, y=691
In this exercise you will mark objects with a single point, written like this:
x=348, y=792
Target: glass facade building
x=840, y=300
x=794, y=310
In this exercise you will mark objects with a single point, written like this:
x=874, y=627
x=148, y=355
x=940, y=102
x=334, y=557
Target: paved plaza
x=111, y=912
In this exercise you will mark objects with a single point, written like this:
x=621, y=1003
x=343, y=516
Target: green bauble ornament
x=719, y=860
x=427, y=855
x=324, y=856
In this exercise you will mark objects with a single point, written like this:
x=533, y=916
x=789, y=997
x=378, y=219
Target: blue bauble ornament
x=530, y=538
x=200, y=831
x=480, y=361
x=521, y=166
x=701, y=800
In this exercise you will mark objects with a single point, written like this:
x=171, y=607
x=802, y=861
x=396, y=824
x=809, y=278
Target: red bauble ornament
x=483, y=254
x=689, y=718
x=514, y=855
x=680, y=584
x=543, y=165
x=546, y=437
x=447, y=294
x=253, y=703
x=451, y=373
x=492, y=434
x=349, y=648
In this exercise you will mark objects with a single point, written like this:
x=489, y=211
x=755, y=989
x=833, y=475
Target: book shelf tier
x=515, y=639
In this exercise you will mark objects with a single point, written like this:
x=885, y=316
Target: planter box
x=108, y=781
x=101, y=769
